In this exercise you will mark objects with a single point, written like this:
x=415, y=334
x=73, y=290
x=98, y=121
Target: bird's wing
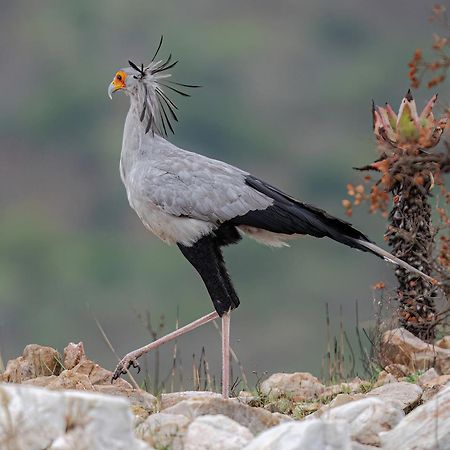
x=198, y=187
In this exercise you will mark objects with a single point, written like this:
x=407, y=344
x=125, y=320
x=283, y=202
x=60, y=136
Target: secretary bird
x=201, y=204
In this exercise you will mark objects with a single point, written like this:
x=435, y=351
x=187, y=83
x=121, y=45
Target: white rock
x=314, y=434
x=172, y=398
x=299, y=386
x=428, y=377
x=30, y=418
x=367, y=418
x=342, y=399
x=216, y=433
x=358, y=446
x=33, y=418
x=255, y=419
x=407, y=394
x=163, y=430
x=425, y=428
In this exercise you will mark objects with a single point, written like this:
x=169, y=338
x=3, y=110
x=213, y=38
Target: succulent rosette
x=408, y=130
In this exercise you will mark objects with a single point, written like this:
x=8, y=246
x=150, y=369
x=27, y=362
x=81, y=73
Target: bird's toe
x=124, y=365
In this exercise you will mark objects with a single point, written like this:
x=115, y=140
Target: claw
x=123, y=366
x=136, y=365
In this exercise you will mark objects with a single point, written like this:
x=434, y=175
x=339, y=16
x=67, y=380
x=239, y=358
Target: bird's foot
x=125, y=363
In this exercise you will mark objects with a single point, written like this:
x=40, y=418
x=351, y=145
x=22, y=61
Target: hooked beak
x=111, y=89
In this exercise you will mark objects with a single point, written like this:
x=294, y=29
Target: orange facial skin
x=119, y=80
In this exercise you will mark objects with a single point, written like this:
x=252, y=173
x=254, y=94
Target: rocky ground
x=54, y=402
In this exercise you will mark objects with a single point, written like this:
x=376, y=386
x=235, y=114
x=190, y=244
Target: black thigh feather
x=206, y=257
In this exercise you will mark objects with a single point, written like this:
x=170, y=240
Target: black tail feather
x=290, y=216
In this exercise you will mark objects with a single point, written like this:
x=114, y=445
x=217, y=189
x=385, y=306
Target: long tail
x=394, y=260
x=289, y=216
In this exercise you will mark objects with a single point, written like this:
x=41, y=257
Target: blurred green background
x=286, y=96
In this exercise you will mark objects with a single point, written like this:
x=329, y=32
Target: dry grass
x=342, y=360
x=2, y=365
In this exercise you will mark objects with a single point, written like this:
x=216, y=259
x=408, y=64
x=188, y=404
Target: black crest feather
x=159, y=119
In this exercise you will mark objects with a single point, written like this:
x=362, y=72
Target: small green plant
x=414, y=377
x=302, y=410
x=366, y=386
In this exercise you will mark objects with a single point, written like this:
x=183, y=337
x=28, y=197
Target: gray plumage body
x=181, y=196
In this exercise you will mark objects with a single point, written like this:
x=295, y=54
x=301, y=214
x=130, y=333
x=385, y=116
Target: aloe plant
x=409, y=170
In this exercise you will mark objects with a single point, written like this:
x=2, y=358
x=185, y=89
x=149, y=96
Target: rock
x=247, y=397
x=216, y=432
x=302, y=410
x=41, y=381
x=73, y=355
x=366, y=418
x=171, y=399
x=427, y=377
x=407, y=394
x=136, y=397
x=41, y=366
x=425, y=428
x=282, y=417
x=89, y=376
x=342, y=399
x=163, y=430
x=431, y=378
x=255, y=419
x=35, y=361
x=358, y=446
x=299, y=386
x=430, y=392
x=281, y=405
x=313, y=434
x=398, y=370
x=441, y=380
x=66, y=380
x=139, y=414
x=444, y=342
x=33, y=418
x=385, y=378
x=433, y=386
x=30, y=418
x=331, y=391
x=351, y=387
x=399, y=346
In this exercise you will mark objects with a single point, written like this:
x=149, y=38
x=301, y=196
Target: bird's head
x=146, y=87
x=122, y=81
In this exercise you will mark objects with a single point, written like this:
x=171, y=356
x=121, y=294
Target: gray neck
x=136, y=144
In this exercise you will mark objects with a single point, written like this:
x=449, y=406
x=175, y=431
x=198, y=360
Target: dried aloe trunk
x=410, y=235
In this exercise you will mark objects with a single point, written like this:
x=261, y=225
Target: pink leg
x=226, y=355
x=131, y=358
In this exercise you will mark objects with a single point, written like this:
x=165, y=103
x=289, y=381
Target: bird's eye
x=119, y=77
